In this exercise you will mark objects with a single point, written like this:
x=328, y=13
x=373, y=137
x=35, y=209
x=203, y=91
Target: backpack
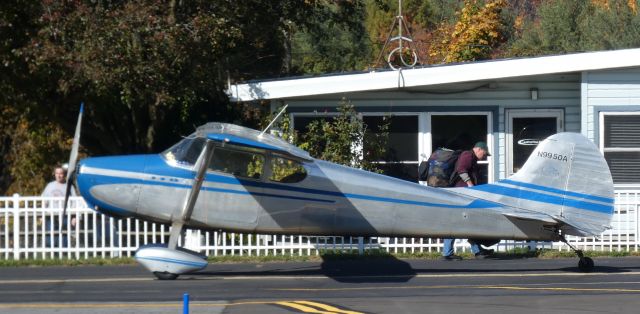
x=439, y=170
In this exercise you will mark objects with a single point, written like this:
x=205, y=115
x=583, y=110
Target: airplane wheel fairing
x=585, y=264
x=165, y=275
x=166, y=263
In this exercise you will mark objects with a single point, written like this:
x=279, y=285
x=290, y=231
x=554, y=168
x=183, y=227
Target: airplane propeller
x=73, y=158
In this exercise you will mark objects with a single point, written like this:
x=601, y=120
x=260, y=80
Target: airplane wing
x=236, y=140
x=237, y=135
x=240, y=141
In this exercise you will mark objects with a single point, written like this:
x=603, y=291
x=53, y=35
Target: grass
x=324, y=255
x=68, y=262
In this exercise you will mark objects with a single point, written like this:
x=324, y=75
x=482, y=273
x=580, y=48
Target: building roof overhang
x=434, y=75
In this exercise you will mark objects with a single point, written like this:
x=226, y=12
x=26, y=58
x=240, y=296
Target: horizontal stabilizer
x=529, y=215
x=583, y=229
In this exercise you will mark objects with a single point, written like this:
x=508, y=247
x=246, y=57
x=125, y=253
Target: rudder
x=571, y=166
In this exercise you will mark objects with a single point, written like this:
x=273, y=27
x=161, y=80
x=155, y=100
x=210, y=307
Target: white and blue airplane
x=228, y=177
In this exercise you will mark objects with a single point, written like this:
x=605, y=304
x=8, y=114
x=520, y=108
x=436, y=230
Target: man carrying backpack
x=466, y=174
x=467, y=170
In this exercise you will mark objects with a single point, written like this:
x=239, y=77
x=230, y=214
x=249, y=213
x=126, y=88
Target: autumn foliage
x=477, y=32
x=150, y=70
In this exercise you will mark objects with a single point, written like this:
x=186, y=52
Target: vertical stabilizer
x=567, y=178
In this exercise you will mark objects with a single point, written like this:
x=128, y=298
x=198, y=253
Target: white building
x=510, y=104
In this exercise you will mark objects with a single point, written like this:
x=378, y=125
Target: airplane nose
x=112, y=184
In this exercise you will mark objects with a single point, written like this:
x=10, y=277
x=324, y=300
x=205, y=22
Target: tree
x=333, y=41
x=341, y=139
x=555, y=32
x=28, y=142
x=478, y=31
x=615, y=25
x=422, y=17
x=147, y=70
x=572, y=25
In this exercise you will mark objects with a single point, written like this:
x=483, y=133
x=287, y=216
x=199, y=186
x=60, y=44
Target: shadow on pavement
x=341, y=269
x=392, y=269
x=379, y=269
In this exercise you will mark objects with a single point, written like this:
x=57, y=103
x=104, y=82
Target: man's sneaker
x=452, y=258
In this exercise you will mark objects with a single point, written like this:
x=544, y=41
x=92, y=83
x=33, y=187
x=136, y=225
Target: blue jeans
x=448, y=250
x=53, y=241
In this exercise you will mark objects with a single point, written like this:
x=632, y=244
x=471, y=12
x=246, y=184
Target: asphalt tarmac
x=377, y=285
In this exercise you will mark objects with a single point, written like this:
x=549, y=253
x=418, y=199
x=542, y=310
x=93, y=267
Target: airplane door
x=231, y=194
x=525, y=129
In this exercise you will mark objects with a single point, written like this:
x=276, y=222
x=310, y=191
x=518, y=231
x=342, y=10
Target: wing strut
x=183, y=215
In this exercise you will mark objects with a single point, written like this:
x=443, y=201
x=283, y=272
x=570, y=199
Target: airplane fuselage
x=331, y=199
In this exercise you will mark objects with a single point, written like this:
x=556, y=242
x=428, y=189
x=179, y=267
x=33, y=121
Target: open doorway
x=461, y=130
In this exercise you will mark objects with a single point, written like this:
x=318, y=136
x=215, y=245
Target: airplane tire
x=585, y=264
x=165, y=275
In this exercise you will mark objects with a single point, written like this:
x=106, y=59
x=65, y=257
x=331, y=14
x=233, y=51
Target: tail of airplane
x=567, y=178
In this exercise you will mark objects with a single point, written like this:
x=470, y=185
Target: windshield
x=185, y=152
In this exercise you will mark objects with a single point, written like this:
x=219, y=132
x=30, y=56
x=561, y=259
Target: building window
x=620, y=143
x=401, y=158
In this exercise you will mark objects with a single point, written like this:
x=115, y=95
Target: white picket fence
x=30, y=229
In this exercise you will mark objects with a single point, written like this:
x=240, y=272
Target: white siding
x=554, y=91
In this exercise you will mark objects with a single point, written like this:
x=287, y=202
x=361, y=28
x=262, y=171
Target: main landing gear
x=169, y=261
x=585, y=264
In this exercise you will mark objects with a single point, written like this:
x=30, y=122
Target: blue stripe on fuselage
x=558, y=191
x=105, y=180
x=119, y=180
x=543, y=198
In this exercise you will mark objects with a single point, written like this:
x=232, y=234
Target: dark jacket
x=467, y=162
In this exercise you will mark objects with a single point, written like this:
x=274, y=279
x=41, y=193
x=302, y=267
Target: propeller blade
x=66, y=197
x=71, y=170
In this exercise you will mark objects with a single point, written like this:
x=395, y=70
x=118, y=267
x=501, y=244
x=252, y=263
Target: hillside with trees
x=149, y=71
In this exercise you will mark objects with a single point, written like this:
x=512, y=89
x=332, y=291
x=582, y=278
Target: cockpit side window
x=237, y=162
x=185, y=152
x=285, y=170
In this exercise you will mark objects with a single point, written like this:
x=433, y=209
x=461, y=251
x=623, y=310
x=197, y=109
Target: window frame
x=236, y=148
x=414, y=162
x=426, y=149
x=601, y=140
x=360, y=115
x=510, y=114
x=268, y=170
x=174, y=162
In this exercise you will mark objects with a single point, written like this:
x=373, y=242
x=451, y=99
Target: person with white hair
x=56, y=188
